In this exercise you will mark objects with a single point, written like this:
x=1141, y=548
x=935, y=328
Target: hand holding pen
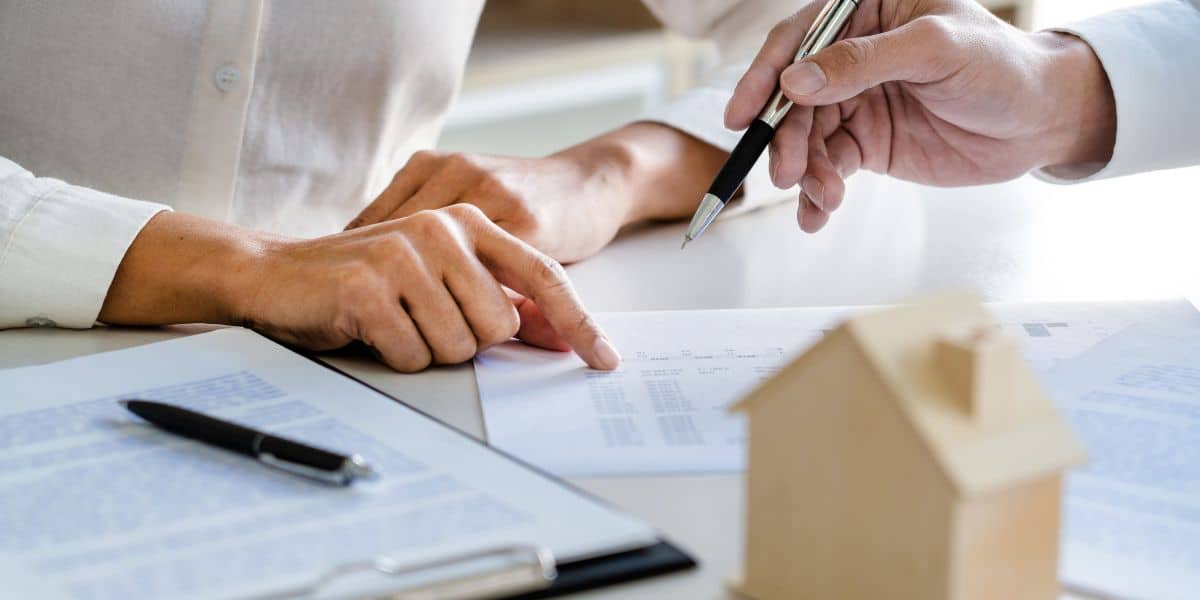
x=937, y=92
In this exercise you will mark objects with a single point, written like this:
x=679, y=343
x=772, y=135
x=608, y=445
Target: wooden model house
x=909, y=454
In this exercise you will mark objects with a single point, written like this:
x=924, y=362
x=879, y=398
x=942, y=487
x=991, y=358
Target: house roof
x=1031, y=440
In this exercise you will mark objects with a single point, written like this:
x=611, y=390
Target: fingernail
x=774, y=165
x=805, y=78
x=606, y=354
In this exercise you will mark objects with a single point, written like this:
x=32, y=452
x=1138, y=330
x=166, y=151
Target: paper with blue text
x=1131, y=523
x=94, y=503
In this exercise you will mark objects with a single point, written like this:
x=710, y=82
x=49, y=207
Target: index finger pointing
x=528, y=272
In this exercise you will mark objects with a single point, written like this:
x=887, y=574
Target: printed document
x=95, y=503
x=664, y=410
x=1132, y=514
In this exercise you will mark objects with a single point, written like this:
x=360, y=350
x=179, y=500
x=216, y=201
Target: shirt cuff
x=63, y=252
x=1150, y=54
x=700, y=112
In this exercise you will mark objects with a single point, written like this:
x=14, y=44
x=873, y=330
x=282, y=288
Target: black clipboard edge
x=575, y=576
x=592, y=573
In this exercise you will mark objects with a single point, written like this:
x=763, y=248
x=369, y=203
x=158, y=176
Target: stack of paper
x=1126, y=375
x=1132, y=514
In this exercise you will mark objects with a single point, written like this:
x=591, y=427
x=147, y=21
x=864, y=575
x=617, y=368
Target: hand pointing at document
x=937, y=92
x=432, y=288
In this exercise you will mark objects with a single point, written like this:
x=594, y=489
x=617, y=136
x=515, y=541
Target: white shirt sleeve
x=60, y=246
x=1152, y=56
x=738, y=28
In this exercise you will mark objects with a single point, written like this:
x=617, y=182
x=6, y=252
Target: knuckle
x=414, y=361
x=585, y=322
x=499, y=329
x=547, y=273
x=449, y=231
x=855, y=52
x=422, y=157
x=426, y=223
x=464, y=213
x=392, y=249
x=459, y=162
x=417, y=160
x=458, y=350
x=935, y=30
x=511, y=323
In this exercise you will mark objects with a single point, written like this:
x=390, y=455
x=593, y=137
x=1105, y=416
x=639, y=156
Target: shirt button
x=39, y=322
x=227, y=77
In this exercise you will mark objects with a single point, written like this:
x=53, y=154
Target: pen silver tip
x=709, y=208
x=685, y=242
x=358, y=468
x=124, y=403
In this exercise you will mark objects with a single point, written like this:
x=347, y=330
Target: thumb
x=914, y=53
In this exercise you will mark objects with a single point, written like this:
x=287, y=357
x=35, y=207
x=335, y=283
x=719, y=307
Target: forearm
x=663, y=172
x=184, y=269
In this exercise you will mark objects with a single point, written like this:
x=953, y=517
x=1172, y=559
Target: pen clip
x=818, y=29
x=829, y=25
x=499, y=572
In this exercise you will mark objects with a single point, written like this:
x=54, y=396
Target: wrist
x=237, y=274
x=1082, y=111
x=608, y=170
x=654, y=172
x=184, y=269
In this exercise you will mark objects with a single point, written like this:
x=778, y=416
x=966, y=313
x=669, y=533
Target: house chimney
x=978, y=369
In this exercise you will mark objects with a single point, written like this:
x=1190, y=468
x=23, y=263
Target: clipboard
x=529, y=573
x=219, y=526
x=511, y=572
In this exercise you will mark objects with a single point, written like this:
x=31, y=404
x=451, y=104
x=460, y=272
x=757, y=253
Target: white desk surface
x=1124, y=239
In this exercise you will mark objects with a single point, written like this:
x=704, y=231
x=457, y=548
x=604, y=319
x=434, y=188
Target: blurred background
x=545, y=74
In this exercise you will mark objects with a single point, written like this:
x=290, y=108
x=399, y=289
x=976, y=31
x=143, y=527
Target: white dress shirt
x=281, y=116
x=291, y=116
x=1152, y=56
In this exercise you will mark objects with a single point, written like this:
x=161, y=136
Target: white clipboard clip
x=491, y=573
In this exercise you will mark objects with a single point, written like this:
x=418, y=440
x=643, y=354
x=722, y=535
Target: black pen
x=291, y=456
x=825, y=30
